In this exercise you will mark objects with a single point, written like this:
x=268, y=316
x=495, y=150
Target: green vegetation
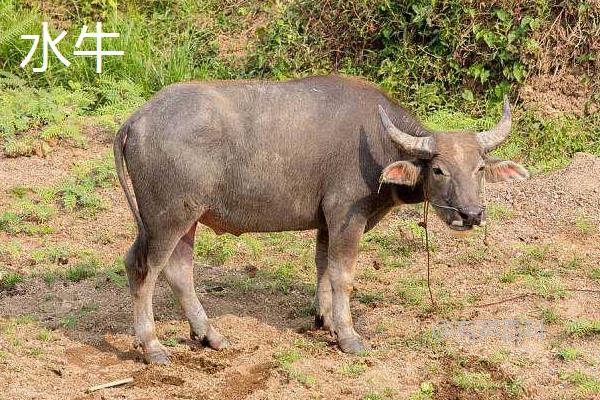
x=353, y=369
x=568, y=354
x=586, y=384
x=83, y=269
x=391, y=249
x=583, y=327
x=425, y=392
x=285, y=361
x=496, y=211
x=478, y=381
x=549, y=316
x=439, y=58
x=10, y=279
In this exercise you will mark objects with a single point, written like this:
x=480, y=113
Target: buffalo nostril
x=472, y=215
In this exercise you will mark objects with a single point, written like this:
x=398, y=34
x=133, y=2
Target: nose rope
x=423, y=224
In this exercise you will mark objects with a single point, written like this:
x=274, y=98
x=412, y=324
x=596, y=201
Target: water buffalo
x=259, y=156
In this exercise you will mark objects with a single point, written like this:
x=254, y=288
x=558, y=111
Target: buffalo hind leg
x=143, y=316
x=179, y=273
x=323, y=317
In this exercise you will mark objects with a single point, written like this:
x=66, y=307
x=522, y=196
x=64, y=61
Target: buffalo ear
x=402, y=173
x=501, y=170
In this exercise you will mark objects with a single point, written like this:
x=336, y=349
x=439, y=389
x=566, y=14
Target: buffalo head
x=451, y=166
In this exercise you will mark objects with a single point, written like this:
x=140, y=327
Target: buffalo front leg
x=324, y=318
x=342, y=254
x=179, y=273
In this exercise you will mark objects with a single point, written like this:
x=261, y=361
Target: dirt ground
x=541, y=263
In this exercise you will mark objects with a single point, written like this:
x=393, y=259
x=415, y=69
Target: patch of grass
x=572, y=264
x=372, y=396
x=353, y=369
x=82, y=270
x=508, y=277
x=51, y=276
x=11, y=279
x=11, y=249
x=26, y=220
x=549, y=316
x=473, y=256
x=69, y=321
x=391, y=250
x=423, y=339
x=497, y=211
x=412, y=291
x=53, y=254
x=170, y=341
x=44, y=335
x=498, y=356
x=36, y=352
x=214, y=249
x=370, y=298
x=548, y=288
x=537, y=252
x=285, y=360
x=586, y=384
x=568, y=354
x=478, y=381
x=425, y=392
x=117, y=275
x=514, y=387
x=583, y=327
x=584, y=225
x=595, y=274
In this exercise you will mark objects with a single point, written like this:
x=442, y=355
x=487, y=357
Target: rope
x=425, y=216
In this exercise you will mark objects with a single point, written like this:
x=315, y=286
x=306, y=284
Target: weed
x=44, y=335
x=425, y=392
x=353, y=369
x=69, y=321
x=548, y=288
x=285, y=361
x=479, y=381
x=586, y=384
x=508, y=277
x=412, y=291
x=11, y=249
x=82, y=270
x=549, y=316
x=214, y=249
x=583, y=327
x=496, y=211
x=584, y=225
x=391, y=250
x=371, y=298
x=51, y=254
x=170, y=342
x=568, y=354
x=10, y=280
x=595, y=274
x=116, y=274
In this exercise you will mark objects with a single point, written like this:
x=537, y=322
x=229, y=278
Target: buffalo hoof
x=212, y=339
x=158, y=356
x=353, y=345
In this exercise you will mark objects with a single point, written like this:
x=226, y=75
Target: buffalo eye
x=437, y=171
